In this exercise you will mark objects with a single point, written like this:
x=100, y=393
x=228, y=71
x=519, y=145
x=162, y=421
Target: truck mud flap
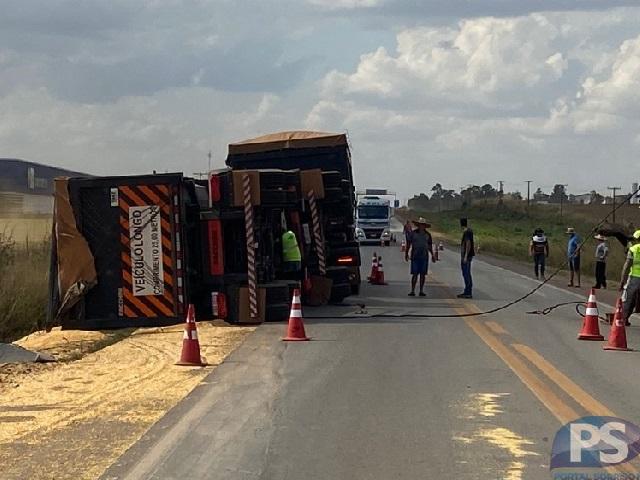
x=339, y=292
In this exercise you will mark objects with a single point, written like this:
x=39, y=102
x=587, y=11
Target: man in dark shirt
x=420, y=244
x=467, y=252
x=539, y=250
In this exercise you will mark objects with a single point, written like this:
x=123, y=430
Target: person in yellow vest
x=291, y=257
x=630, y=281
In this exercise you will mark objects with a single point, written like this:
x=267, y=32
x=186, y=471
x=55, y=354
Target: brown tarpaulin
x=75, y=265
x=282, y=140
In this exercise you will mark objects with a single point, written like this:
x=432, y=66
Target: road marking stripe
x=554, y=404
x=496, y=328
x=564, y=382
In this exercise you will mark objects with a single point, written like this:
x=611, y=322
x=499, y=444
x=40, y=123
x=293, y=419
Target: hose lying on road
x=506, y=305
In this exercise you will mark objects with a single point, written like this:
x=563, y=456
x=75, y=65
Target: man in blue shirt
x=420, y=244
x=573, y=257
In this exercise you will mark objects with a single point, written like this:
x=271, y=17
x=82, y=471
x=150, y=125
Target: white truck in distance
x=373, y=220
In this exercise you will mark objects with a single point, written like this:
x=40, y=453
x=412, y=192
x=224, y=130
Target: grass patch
x=507, y=231
x=23, y=286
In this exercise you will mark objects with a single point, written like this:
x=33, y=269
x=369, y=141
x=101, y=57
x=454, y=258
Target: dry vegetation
x=24, y=269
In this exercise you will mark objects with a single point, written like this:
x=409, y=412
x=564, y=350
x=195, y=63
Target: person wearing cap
x=573, y=257
x=420, y=244
x=602, y=252
x=630, y=280
x=467, y=252
x=539, y=250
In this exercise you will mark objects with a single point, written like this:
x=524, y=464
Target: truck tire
x=276, y=293
x=338, y=274
x=293, y=197
x=333, y=195
x=331, y=179
x=273, y=197
x=355, y=289
x=272, y=180
x=277, y=312
x=339, y=292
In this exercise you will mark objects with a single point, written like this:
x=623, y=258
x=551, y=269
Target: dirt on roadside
x=74, y=418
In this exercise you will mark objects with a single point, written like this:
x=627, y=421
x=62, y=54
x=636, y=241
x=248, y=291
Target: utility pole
x=528, y=192
x=209, y=156
x=565, y=185
x=613, y=196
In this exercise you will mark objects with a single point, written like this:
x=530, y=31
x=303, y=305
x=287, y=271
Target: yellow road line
x=554, y=404
x=496, y=328
x=565, y=383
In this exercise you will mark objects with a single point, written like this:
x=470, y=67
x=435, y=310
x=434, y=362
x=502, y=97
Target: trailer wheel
x=271, y=197
x=278, y=312
x=331, y=179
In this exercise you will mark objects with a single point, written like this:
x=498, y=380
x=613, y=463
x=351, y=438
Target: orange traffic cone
x=374, y=268
x=190, y=345
x=295, y=330
x=380, y=278
x=381, y=242
x=617, y=334
x=590, y=329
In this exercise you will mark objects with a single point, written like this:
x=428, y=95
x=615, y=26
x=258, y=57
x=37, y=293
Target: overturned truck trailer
x=124, y=250
x=329, y=153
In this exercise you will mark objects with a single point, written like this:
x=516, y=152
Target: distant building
x=26, y=188
x=619, y=199
x=583, y=199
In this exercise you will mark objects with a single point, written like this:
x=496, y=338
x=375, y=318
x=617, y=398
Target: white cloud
x=428, y=91
x=512, y=97
x=489, y=61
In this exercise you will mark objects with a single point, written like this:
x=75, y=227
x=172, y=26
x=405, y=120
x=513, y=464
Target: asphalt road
x=397, y=397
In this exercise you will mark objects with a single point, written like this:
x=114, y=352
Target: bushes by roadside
x=23, y=287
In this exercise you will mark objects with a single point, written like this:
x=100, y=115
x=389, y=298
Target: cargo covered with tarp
x=302, y=150
x=122, y=250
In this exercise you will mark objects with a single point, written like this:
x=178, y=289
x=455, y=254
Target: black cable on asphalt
x=506, y=305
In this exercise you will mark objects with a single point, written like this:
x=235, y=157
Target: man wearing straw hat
x=420, y=243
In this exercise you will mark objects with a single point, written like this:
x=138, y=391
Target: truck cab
x=373, y=220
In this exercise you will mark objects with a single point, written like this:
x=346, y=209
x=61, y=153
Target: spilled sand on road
x=73, y=419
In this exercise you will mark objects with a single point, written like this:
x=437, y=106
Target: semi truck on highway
x=373, y=221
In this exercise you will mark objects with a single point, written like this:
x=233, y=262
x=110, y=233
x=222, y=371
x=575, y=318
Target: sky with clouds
x=449, y=91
